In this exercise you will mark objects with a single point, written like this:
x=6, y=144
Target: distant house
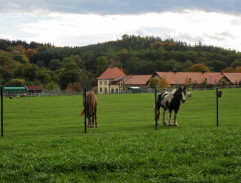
x=34, y=89
x=114, y=80
x=111, y=80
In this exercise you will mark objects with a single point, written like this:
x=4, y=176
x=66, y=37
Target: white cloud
x=189, y=26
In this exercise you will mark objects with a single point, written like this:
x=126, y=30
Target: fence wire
x=60, y=115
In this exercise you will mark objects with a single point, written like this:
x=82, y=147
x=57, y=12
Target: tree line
x=23, y=63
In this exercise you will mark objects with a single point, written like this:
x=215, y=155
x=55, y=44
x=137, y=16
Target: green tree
x=55, y=64
x=236, y=62
x=217, y=65
x=44, y=77
x=102, y=64
x=16, y=82
x=70, y=74
x=51, y=86
x=4, y=59
x=78, y=61
x=27, y=72
x=68, y=60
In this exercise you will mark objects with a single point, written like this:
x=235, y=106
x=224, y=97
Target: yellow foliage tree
x=198, y=68
x=228, y=69
x=163, y=83
x=73, y=87
x=237, y=69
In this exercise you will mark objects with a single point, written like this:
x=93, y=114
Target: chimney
x=203, y=71
x=175, y=70
x=221, y=72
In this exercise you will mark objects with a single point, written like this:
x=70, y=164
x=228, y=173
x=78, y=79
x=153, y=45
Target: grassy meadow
x=44, y=140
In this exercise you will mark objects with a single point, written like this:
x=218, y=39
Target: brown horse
x=91, y=108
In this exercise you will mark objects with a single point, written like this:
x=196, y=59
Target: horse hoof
x=175, y=124
x=165, y=123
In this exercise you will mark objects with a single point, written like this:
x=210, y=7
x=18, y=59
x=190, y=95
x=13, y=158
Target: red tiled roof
x=111, y=73
x=233, y=77
x=137, y=79
x=199, y=77
x=34, y=87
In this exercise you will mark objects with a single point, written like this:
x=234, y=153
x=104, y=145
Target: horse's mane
x=173, y=91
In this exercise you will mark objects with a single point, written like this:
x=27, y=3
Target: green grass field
x=44, y=140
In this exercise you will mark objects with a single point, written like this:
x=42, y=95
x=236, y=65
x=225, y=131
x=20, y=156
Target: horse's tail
x=82, y=113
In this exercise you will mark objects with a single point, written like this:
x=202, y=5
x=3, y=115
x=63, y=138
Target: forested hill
x=73, y=67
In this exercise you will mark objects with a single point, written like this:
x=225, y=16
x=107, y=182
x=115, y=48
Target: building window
x=116, y=91
x=105, y=82
x=112, y=90
x=105, y=90
x=100, y=90
x=100, y=82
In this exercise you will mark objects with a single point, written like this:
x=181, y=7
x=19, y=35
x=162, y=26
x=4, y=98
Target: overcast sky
x=84, y=22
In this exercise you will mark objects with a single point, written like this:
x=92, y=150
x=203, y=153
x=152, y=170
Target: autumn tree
x=74, y=87
x=153, y=82
x=228, y=69
x=163, y=83
x=30, y=52
x=237, y=69
x=198, y=68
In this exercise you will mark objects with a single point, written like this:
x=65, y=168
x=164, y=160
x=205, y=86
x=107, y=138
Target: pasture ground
x=44, y=140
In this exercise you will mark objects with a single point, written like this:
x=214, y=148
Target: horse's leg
x=96, y=125
x=175, y=119
x=92, y=121
x=169, y=118
x=163, y=117
x=89, y=122
x=157, y=116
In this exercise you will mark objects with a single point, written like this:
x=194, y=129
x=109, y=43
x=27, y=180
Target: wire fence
x=59, y=92
x=51, y=115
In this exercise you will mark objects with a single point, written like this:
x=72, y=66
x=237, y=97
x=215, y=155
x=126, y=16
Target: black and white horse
x=170, y=101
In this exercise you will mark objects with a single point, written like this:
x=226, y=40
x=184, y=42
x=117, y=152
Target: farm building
x=34, y=89
x=114, y=80
x=14, y=91
x=111, y=75
x=199, y=78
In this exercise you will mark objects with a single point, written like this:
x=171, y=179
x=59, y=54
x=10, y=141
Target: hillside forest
x=72, y=68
